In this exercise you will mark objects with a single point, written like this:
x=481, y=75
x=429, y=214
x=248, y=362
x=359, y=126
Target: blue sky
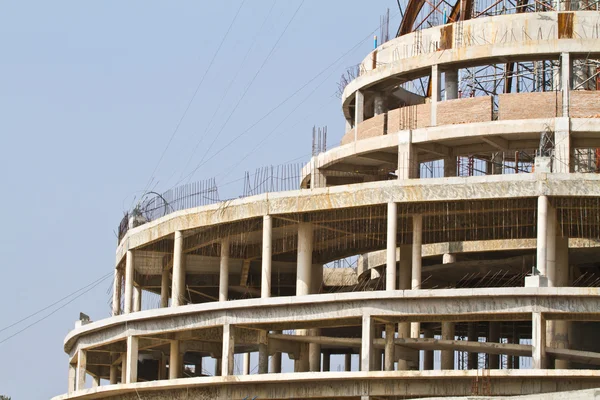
x=91, y=92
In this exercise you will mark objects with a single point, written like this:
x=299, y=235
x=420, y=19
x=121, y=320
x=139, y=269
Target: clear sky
x=90, y=94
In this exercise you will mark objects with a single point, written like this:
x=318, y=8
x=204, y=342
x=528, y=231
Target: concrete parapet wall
x=584, y=104
x=529, y=105
x=461, y=111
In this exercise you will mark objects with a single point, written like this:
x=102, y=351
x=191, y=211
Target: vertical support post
x=435, y=92
x=132, y=359
x=164, y=289
x=390, y=332
x=178, y=285
x=562, y=145
x=174, y=360
x=551, y=246
x=263, y=358
x=326, y=361
x=494, y=337
x=304, y=261
x=359, y=111
x=542, y=227
x=405, y=271
x=113, y=374
x=417, y=223
x=276, y=359
x=228, y=350
x=428, y=354
x=392, y=230
x=137, y=298
x=451, y=84
x=129, y=260
x=198, y=367
x=408, y=166
x=265, y=284
x=246, y=364
x=366, y=355
x=218, y=366
x=379, y=103
x=224, y=271
x=116, y=302
x=72, y=377
x=447, y=361
x=538, y=340
x=473, y=358
x=124, y=369
x=565, y=81
x=81, y=367
x=450, y=166
x=347, y=362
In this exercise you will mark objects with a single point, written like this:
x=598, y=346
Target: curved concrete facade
x=390, y=273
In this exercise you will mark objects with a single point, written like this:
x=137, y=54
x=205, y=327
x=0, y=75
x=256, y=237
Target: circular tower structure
x=450, y=246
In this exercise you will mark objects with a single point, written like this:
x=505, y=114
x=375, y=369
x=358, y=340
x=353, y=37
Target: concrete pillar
x=265, y=283
x=368, y=333
x=379, y=106
x=435, y=93
x=116, y=302
x=494, y=337
x=81, y=368
x=124, y=368
x=359, y=111
x=132, y=359
x=304, y=264
x=218, y=366
x=198, y=367
x=326, y=361
x=224, y=271
x=72, y=377
x=496, y=162
x=178, y=284
x=113, y=374
x=551, y=245
x=447, y=361
x=428, y=354
x=562, y=146
x=317, y=178
x=565, y=81
x=137, y=298
x=405, y=271
x=129, y=260
x=314, y=353
x=276, y=361
x=392, y=230
x=451, y=84
x=162, y=367
x=542, y=227
x=560, y=329
x=228, y=350
x=472, y=336
x=408, y=166
x=450, y=166
x=538, y=340
x=246, y=364
x=174, y=360
x=417, y=224
x=164, y=288
x=263, y=358
x=347, y=362
x=390, y=333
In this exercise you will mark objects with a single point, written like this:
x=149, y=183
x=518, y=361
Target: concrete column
x=450, y=166
x=132, y=359
x=137, y=298
x=263, y=358
x=164, y=288
x=494, y=337
x=392, y=230
x=81, y=368
x=451, y=84
x=174, y=360
x=114, y=373
x=304, y=267
x=447, y=361
x=326, y=361
x=560, y=329
x=542, y=227
x=435, y=93
x=428, y=354
x=246, y=364
x=228, y=350
x=178, y=284
x=162, y=367
x=368, y=333
x=129, y=260
x=72, y=377
x=347, y=362
x=198, y=367
x=124, y=368
x=417, y=223
x=496, y=166
x=390, y=333
x=408, y=166
x=224, y=271
x=265, y=284
x=116, y=302
x=473, y=358
x=314, y=353
x=218, y=366
x=379, y=106
x=565, y=81
x=317, y=178
x=538, y=340
x=551, y=246
x=359, y=112
x=405, y=271
x=562, y=146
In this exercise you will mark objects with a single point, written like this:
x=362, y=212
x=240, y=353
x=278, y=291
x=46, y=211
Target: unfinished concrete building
x=466, y=188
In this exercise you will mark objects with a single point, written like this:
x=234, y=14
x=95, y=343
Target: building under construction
x=449, y=246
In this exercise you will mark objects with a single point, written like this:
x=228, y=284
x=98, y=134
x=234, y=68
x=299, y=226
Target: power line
x=56, y=310
x=194, y=95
